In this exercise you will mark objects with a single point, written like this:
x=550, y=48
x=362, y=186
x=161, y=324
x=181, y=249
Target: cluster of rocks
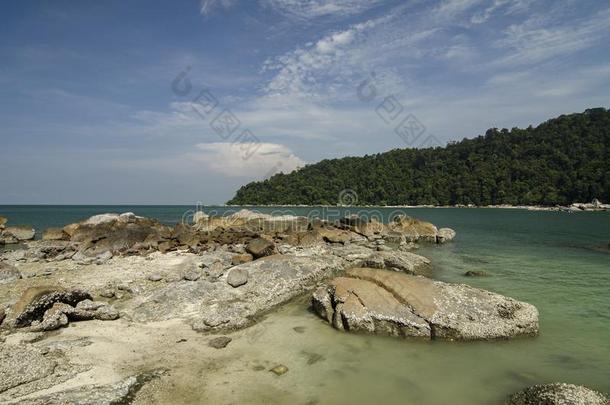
x=14, y=234
x=594, y=205
x=46, y=308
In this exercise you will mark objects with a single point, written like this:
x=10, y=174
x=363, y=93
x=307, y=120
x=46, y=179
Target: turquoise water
x=557, y=261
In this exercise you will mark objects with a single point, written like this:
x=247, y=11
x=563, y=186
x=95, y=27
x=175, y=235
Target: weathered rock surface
x=22, y=364
x=121, y=392
x=55, y=234
x=237, y=277
x=8, y=273
x=35, y=301
x=445, y=235
x=3, y=222
x=260, y=247
x=209, y=305
x=21, y=233
x=60, y=314
x=558, y=394
x=116, y=233
x=414, y=229
x=241, y=259
x=385, y=302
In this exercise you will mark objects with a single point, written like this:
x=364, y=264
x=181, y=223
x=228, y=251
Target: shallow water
x=556, y=261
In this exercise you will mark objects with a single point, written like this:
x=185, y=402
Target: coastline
x=576, y=207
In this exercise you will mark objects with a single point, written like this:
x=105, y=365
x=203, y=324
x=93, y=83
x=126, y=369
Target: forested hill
x=563, y=160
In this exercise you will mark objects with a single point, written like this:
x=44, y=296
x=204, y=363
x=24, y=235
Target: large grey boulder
x=558, y=394
x=20, y=233
x=209, y=305
x=391, y=303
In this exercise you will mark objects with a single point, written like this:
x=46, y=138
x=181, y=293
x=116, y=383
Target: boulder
x=8, y=273
x=241, y=258
x=260, y=247
x=3, y=222
x=391, y=303
x=20, y=233
x=116, y=233
x=55, y=234
x=558, y=394
x=60, y=314
x=445, y=235
x=2, y=315
x=363, y=226
x=414, y=229
x=199, y=216
x=35, y=301
x=397, y=260
x=237, y=277
x=214, y=306
x=7, y=239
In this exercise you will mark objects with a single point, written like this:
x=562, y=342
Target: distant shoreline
x=576, y=207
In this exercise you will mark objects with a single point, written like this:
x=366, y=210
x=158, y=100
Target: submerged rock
x=220, y=342
x=476, y=273
x=391, y=303
x=279, y=369
x=558, y=394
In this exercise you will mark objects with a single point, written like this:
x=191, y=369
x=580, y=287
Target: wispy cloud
x=540, y=38
x=208, y=6
x=308, y=9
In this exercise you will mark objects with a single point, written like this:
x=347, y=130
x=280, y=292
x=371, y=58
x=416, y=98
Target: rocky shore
x=77, y=306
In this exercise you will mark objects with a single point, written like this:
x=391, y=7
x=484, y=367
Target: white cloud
x=308, y=9
x=540, y=38
x=207, y=6
x=233, y=160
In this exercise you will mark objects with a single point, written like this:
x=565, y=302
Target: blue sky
x=94, y=109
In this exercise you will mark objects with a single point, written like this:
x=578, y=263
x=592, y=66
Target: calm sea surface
x=559, y=262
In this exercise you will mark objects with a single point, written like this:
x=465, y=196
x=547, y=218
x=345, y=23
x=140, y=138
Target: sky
x=157, y=102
